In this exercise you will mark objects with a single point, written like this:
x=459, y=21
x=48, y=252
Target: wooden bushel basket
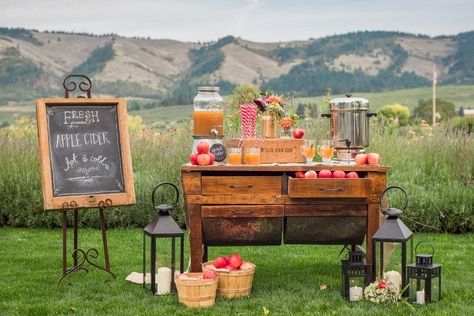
x=196, y=292
x=235, y=283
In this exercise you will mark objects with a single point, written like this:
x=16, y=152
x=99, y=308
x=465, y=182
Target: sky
x=255, y=20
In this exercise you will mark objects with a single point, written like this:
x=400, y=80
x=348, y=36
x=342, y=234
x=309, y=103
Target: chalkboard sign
x=85, y=152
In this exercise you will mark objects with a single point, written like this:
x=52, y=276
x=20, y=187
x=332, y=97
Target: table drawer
x=328, y=188
x=230, y=185
x=242, y=224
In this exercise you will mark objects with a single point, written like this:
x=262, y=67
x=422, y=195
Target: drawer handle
x=241, y=186
x=332, y=189
x=243, y=212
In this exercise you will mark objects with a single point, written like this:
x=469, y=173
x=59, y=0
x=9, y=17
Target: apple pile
x=232, y=262
x=202, y=157
x=208, y=275
x=370, y=158
x=326, y=174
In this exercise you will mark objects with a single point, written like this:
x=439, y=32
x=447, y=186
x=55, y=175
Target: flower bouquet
x=382, y=291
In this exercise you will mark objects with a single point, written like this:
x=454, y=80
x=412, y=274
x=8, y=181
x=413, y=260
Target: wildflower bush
x=434, y=165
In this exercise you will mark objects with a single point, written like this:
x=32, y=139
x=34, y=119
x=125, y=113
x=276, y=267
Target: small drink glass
x=252, y=156
x=325, y=150
x=234, y=156
x=308, y=150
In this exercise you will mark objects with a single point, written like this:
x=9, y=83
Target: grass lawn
x=287, y=280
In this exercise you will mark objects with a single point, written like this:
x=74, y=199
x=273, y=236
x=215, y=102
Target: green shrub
x=463, y=124
x=424, y=111
x=395, y=111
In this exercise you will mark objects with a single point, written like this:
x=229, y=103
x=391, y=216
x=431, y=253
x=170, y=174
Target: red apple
x=212, y=158
x=229, y=267
x=209, y=274
x=360, y=159
x=326, y=174
x=339, y=174
x=352, y=175
x=203, y=159
x=299, y=174
x=202, y=148
x=298, y=132
x=220, y=262
x=235, y=260
x=373, y=159
x=311, y=174
x=193, y=159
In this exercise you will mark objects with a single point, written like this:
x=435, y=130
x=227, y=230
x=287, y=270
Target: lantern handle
x=165, y=183
x=424, y=241
x=395, y=187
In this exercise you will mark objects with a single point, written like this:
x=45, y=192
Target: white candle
x=164, y=281
x=420, y=297
x=394, y=277
x=355, y=293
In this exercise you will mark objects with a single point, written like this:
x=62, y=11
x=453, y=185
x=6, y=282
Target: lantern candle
x=355, y=293
x=395, y=278
x=164, y=280
x=420, y=297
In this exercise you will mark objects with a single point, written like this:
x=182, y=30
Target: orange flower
x=286, y=122
x=274, y=99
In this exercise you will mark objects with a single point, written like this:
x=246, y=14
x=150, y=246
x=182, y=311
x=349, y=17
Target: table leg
x=372, y=227
x=195, y=236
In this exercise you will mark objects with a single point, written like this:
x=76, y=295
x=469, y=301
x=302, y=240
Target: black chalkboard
x=84, y=149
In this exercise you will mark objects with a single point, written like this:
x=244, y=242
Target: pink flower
x=382, y=284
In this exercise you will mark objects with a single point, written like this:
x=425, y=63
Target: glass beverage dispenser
x=208, y=114
x=208, y=118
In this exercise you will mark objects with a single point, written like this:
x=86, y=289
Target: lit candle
x=355, y=293
x=420, y=297
x=395, y=278
x=164, y=281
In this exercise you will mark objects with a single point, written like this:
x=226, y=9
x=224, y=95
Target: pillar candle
x=164, y=280
x=355, y=293
x=394, y=277
x=420, y=297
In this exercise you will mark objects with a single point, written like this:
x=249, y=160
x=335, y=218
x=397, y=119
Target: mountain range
x=33, y=64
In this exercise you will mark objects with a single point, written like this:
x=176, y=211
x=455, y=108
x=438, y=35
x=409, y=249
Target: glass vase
x=285, y=132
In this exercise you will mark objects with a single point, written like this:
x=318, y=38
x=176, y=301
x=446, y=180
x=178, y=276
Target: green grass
x=462, y=95
x=287, y=279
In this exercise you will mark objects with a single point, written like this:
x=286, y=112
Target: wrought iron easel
x=81, y=256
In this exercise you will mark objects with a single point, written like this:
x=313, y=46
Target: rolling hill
x=33, y=64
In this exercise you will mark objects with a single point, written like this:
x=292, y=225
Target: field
x=170, y=115
x=288, y=279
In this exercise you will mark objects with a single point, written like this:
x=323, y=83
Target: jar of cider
x=208, y=113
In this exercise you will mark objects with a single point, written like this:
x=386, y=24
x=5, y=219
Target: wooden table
x=266, y=205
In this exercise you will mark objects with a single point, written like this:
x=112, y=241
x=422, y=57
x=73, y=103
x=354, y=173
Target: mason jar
x=208, y=116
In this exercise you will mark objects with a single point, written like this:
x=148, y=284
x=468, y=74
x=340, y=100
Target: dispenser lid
x=208, y=89
x=349, y=103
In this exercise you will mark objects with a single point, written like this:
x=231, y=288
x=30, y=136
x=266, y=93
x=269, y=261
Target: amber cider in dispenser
x=208, y=116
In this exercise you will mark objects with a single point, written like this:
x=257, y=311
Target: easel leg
x=104, y=240
x=64, y=242
x=76, y=223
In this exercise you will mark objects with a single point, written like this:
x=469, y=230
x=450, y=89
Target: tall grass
x=436, y=167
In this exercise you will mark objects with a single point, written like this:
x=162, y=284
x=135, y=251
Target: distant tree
x=395, y=111
x=424, y=110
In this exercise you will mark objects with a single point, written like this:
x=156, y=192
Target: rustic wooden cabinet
x=266, y=205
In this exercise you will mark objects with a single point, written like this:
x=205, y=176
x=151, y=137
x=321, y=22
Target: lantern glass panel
x=163, y=258
x=392, y=257
x=419, y=285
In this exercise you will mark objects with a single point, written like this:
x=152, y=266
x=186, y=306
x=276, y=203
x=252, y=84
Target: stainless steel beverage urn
x=349, y=125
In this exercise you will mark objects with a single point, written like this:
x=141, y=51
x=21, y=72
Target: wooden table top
x=292, y=167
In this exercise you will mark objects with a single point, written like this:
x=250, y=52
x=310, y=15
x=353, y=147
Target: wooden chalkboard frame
x=51, y=202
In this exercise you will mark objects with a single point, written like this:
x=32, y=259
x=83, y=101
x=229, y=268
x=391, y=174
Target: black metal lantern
x=163, y=226
x=393, y=231
x=355, y=276
x=424, y=279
